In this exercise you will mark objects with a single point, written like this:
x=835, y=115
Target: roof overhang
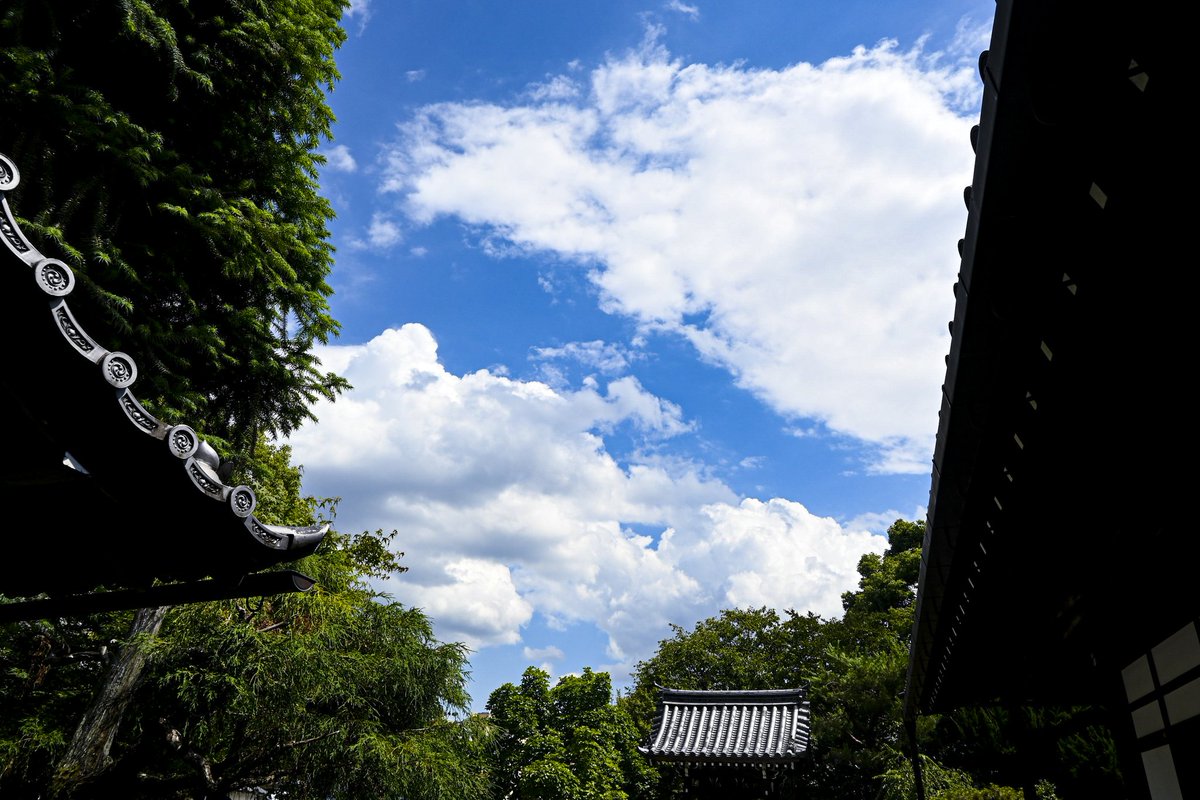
x=1056, y=544
x=97, y=491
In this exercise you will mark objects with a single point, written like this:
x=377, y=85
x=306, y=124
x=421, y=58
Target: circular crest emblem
x=10, y=176
x=54, y=277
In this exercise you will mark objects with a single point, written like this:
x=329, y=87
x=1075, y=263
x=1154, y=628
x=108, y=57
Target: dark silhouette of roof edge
x=222, y=539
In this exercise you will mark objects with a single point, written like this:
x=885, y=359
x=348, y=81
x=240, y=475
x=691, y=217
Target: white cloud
x=558, y=87
x=414, y=75
x=508, y=504
x=359, y=10
x=970, y=38
x=551, y=653
x=478, y=597
x=604, y=356
x=383, y=232
x=797, y=226
x=879, y=521
x=339, y=158
x=684, y=8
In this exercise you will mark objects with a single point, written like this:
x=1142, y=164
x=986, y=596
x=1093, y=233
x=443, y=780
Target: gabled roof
x=753, y=727
x=96, y=490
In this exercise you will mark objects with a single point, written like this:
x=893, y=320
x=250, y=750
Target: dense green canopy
x=169, y=154
x=566, y=742
x=854, y=667
x=168, y=149
x=336, y=693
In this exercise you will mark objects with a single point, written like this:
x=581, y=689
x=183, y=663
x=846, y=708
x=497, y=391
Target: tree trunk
x=88, y=756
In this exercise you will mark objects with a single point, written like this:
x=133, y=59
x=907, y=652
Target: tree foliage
x=339, y=694
x=854, y=668
x=569, y=742
x=169, y=155
x=49, y=671
x=336, y=693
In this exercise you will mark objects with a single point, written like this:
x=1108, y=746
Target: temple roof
x=1056, y=542
x=754, y=727
x=97, y=491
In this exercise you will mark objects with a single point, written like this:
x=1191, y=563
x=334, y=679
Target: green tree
x=341, y=694
x=569, y=742
x=336, y=693
x=170, y=154
x=740, y=648
x=968, y=752
x=169, y=151
x=857, y=696
x=49, y=670
x=854, y=667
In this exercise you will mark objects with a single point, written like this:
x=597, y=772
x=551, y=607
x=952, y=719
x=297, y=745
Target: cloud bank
x=509, y=504
x=797, y=226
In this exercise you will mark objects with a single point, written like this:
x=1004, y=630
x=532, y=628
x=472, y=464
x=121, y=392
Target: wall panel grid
x=1162, y=688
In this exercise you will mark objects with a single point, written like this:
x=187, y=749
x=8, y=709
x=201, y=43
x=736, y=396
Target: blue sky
x=644, y=306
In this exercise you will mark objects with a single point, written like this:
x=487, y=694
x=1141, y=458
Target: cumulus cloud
x=796, y=226
x=339, y=158
x=509, y=504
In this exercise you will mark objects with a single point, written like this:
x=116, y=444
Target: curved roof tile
x=744, y=727
x=102, y=492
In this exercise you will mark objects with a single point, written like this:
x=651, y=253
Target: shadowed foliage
x=169, y=156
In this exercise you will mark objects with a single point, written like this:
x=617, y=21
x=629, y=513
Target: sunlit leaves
x=569, y=742
x=169, y=155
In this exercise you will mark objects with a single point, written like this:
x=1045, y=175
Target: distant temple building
x=724, y=744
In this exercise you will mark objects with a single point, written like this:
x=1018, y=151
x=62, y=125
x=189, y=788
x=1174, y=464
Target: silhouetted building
x=97, y=492
x=1058, y=567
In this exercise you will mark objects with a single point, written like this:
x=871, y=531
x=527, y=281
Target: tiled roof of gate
x=766, y=726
